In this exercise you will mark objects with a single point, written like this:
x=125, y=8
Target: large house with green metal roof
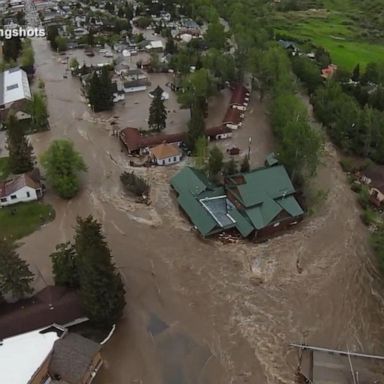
x=257, y=204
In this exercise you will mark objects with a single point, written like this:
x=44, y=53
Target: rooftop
x=164, y=150
x=14, y=86
x=72, y=356
x=22, y=355
x=20, y=181
x=248, y=201
x=51, y=305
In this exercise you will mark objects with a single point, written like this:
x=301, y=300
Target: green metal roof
x=291, y=205
x=197, y=213
x=265, y=193
x=256, y=217
x=242, y=223
x=271, y=181
x=191, y=180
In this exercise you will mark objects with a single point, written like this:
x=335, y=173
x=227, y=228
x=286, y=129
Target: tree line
x=85, y=265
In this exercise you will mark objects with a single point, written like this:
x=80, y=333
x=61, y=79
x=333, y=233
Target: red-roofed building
x=233, y=118
x=218, y=133
x=240, y=97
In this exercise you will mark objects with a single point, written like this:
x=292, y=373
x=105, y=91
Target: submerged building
x=257, y=204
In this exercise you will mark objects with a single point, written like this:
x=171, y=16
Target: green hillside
x=341, y=27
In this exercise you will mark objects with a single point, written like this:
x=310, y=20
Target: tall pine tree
x=15, y=276
x=65, y=265
x=101, y=287
x=20, y=150
x=100, y=91
x=196, y=126
x=157, y=112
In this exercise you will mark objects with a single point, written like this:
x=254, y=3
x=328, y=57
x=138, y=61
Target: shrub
x=364, y=197
x=368, y=217
x=347, y=165
x=134, y=184
x=356, y=187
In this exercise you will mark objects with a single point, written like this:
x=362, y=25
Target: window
x=13, y=86
x=3, y=199
x=28, y=194
x=13, y=197
x=174, y=159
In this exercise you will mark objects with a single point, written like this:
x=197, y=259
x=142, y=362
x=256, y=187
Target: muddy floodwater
x=199, y=311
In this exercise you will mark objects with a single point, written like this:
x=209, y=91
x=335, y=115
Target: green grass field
x=22, y=219
x=334, y=31
x=4, y=170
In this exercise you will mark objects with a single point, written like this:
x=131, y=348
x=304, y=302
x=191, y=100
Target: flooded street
x=198, y=311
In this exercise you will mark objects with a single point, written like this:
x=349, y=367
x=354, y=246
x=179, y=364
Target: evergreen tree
x=52, y=34
x=100, y=91
x=15, y=276
x=94, y=92
x=230, y=167
x=170, y=46
x=11, y=48
x=65, y=265
x=91, y=37
x=157, y=112
x=101, y=287
x=196, y=126
x=20, y=150
x=244, y=166
x=215, y=162
x=356, y=73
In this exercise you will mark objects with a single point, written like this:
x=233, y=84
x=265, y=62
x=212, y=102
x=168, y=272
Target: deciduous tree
x=62, y=165
x=37, y=108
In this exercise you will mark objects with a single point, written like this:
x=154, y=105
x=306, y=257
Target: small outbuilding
x=166, y=154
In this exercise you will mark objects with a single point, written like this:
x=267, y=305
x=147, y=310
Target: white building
x=21, y=356
x=14, y=87
x=155, y=44
x=22, y=188
x=166, y=154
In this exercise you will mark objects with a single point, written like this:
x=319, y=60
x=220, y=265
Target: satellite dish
x=126, y=53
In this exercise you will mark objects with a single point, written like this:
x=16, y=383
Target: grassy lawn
x=26, y=218
x=4, y=170
x=334, y=31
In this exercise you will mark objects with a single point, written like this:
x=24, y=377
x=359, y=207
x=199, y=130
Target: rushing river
x=199, y=311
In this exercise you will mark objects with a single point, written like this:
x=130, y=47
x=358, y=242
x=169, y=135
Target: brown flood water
x=198, y=311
